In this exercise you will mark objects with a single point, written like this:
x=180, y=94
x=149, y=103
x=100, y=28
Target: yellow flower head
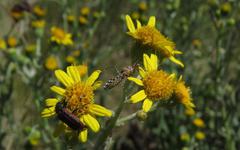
x=3, y=44
x=156, y=84
x=199, y=123
x=83, y=69
x=78, y=95
x=51, y=63
x=185, y=137
x=183, y=94
x=12, y=41
x=34, y=138
x=38, y=23
x=135, y=15
x=76, y=53
x=30, y=48
x=17, y=14
x=190, y=112
x=85, y=11
x=148, y=35
x=61, y=37
x=226, y=7
x=142, y=6
x=83, y=20
x=39, y=11
x=70, y=59
x=200, y=135
x=71, y=18
x=197, y=43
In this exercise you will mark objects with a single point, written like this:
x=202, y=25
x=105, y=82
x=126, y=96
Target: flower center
x=158, y=85
x=78, y=98
x=154, y=39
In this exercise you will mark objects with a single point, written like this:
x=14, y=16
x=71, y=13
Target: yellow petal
x=180, y=78
x=63, y=78
x=91, y=122
x=177, y=52
x=47, y=112
x=139, y=96
x=74, y=73
x=178, y=62
x=51, y=102
x=83, y=135
x=93, y=77
x=151, y=21
x=58, y=90
x=173, y=76
x=146, y=62
x=147, y=104
x=138, y=24
x=136, y=80
x=142, y=72
x=97, y=84
x=100, y=110
x=154, y=61
x=130, y=24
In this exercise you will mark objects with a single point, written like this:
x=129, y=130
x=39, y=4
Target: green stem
x=105, y=133
x=122, y=120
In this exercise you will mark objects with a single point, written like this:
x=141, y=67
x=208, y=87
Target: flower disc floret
x=78, y=98
x=158, y=85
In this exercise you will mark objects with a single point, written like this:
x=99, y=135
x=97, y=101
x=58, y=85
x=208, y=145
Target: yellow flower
x=97, y=14
x=199, y=123
x=200, y=135
x=70, y=59
x=38, y=23
x=190, y=112
x=34, y=137
x=226, y=8
x=156, y=84
x=82, y=69
x=71, y=18
x=142, y=6
x=197, y=43
x=3, y=44
x=17, y=14
x=85, y=11
x=12, y=41
x=183, y=94
x=30, y=48
x=78, y=97
x=83, y=20
x=39, y=11
x=148, y=35
x=135, y=15
x=76, y=53
x=61, y=37
x=51, y=63
x=185, y=137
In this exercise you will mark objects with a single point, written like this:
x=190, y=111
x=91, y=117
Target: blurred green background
x=206, y=31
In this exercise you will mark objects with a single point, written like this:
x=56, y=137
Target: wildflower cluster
x=46, y=47
x=157, y=85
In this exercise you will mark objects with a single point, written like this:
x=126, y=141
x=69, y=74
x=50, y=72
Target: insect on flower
x=67, y=117
x=124, y=73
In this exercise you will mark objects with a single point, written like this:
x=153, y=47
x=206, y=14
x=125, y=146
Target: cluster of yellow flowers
x=155, y=84
x=199, y=135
